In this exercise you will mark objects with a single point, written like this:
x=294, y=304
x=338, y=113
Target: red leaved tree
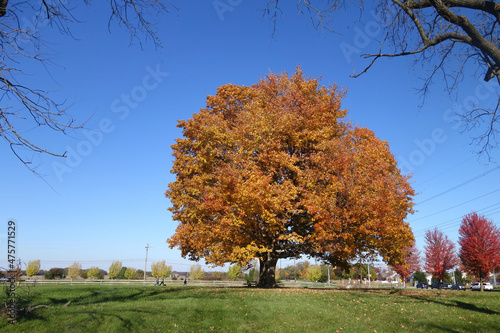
x=412, y=264
x=439, y=253
x=479, y=241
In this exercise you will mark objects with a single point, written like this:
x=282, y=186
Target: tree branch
x=3, y=7
x=489, y=7
x=477, y=39
x=21, y=44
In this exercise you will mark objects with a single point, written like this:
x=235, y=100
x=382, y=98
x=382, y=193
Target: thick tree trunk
x=267, y=273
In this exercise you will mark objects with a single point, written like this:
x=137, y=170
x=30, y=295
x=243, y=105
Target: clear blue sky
x=106, y=201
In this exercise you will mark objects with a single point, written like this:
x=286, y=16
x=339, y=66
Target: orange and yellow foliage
x=272, y=171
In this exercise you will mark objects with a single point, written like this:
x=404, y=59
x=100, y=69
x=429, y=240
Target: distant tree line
x=477, y=257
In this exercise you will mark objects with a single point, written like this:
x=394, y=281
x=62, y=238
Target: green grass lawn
x=191, y=309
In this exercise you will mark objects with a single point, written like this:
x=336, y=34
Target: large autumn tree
x=272, y=171
x=479, y=241
x=439, y=253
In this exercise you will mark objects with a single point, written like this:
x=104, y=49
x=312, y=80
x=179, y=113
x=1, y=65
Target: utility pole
x=369, y=276
x=360, y=271
x=146, y=263
x=328, y=275
x=295, y=271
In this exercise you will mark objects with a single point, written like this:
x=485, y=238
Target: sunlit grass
x=191, y=309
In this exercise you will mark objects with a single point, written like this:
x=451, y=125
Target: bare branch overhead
x=24, y=106
x=443, y=35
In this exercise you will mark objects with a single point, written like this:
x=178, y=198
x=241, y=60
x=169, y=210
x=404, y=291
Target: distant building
x=179, y=274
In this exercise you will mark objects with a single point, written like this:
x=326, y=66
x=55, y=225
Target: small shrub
x=55, y=273
x=139, y=274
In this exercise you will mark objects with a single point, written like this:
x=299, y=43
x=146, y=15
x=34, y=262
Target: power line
x=446, y=171
x=486, y=211
x=455, y=225
x=459, y=218
x=463, y=203
x=460, y=185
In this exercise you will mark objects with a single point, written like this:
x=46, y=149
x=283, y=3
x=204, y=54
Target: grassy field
x=189, y=309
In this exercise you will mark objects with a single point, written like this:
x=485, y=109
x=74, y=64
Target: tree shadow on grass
x=43, y=308
x=473, y=318
x=185, y=317
x=139, y=315
x=456, y=304
x=98, y=318
x=418, y=295
x=106, y=295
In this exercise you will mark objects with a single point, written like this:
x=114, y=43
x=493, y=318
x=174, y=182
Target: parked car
x=422, y=285
x=477, y=286
x=435, y=285
x=488, y=286
x=440, y=285
x=458, y=287
x=4, y=279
